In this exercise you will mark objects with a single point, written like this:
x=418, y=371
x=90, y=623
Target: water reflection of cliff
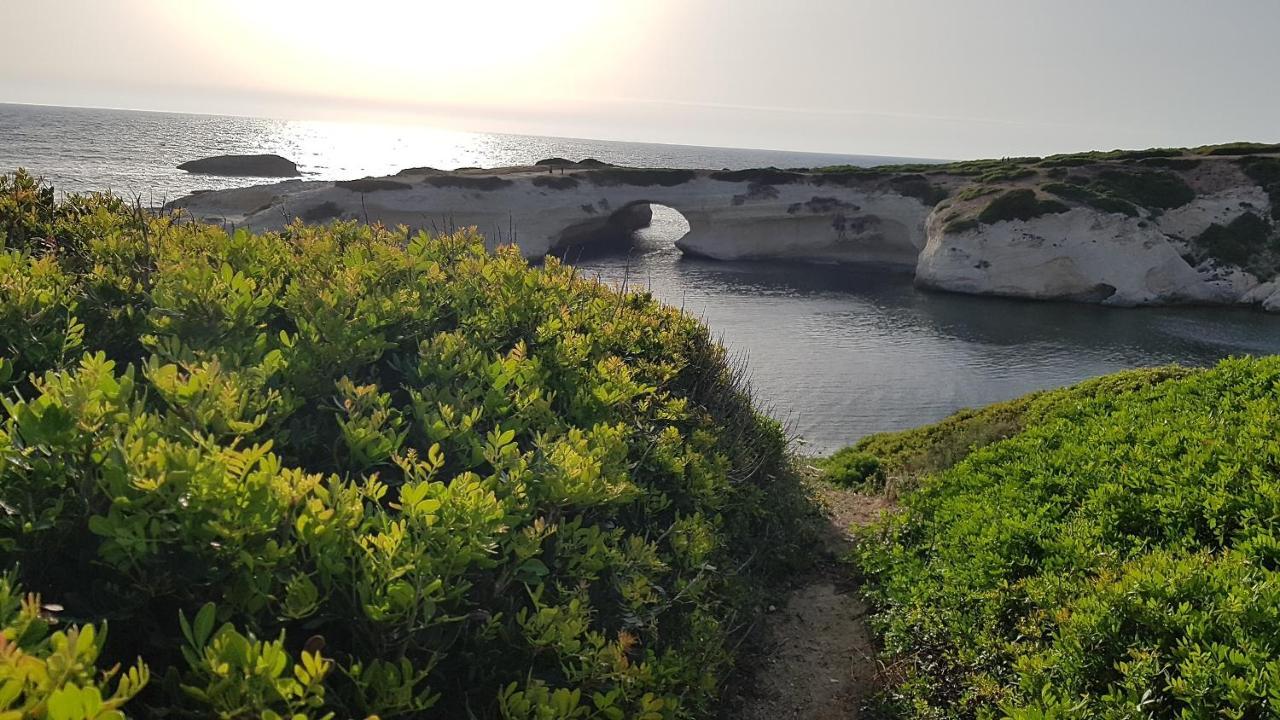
x=840, y=352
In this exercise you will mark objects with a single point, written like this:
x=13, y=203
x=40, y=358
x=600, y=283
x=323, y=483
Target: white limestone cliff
x=1082, y=254
x=804, y=218
x=1090, y=255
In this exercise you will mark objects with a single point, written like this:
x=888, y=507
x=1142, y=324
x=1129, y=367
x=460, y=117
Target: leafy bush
x=342, y=471
x=1245, y=241
x=1150, y=189
x=1240, y=148
x=1092, y=198
x=961, y=225
x=907, y=455
x=1172, y=163
x=1022, y=204
x=53, y=675
x=851, y=468
x=919, y=187
x=1007, y=174
x=1109, y=156
x=1117, y=557
x=1265, y=172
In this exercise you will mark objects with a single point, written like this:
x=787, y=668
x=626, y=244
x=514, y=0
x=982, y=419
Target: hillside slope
x=343, y=471
x=1109, y=550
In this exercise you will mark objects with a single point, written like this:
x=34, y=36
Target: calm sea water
x=842, y=352
x=836, y=352
x=137, y=153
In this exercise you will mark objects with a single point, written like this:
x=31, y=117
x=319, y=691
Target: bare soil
x=816, y=658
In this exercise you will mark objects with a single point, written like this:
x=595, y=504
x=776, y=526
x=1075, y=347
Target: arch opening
x=637, y=227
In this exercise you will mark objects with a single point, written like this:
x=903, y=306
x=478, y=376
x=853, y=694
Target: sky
x=917, y=78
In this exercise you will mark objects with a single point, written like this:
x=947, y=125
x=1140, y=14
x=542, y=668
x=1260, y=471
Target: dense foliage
x=1020, y=204
x=346, y=472
x=1246, y=241
x=1116, y=557
x=851, y=468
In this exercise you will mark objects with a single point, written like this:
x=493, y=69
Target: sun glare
x=444, y=52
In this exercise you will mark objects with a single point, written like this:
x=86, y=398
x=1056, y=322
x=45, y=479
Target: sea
x=835, y=352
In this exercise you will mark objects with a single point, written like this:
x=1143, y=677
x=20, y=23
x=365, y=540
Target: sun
x=449, y=52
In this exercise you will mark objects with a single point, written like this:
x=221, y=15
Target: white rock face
x=1082, y=254
x=811, y=219
x=1195, y=217
x=1267, y=295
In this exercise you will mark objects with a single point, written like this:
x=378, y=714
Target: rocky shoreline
x=1151, y=227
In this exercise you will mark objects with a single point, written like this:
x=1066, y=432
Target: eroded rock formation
x=1120, y=228
x=802, y=216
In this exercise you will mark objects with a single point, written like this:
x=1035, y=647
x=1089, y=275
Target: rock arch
x=750, y=214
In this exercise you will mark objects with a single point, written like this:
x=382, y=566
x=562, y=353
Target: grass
x=1107, y=551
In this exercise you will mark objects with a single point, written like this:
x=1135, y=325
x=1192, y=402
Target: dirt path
x=817, y=660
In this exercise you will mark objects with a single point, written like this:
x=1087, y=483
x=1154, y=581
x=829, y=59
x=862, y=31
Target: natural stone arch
x=612, y=231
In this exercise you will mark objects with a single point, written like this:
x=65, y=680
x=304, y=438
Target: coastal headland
x=1125, y=228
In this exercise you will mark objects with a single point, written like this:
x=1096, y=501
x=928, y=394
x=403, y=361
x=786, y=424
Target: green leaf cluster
x=355, y=471
x=1115, y=557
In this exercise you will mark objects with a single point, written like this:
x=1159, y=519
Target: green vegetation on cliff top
x=343, y=472
x=1106, y=551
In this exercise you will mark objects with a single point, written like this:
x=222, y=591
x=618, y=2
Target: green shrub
x=919, y=187
x=1173, y=163
x=1109, y=156
x=1007, y=174
x=1265, y=172
x=1150, y=189
x=973, y=192
x=53, y=675
x=1090, y=197
x=1117, y=557
x=907, y=455
x=1245, y=241
x=1240, y=148
x=850, y=468
x=961, y=225
x=342, y=471
x=1022, y=204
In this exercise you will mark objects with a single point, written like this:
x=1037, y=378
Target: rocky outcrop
x=1180, y=227
x=778, y=215
x=1081, y=254
x=1120, y=228
x=243, y=166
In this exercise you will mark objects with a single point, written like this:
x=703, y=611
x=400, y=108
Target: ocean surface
x=835, y=352
x=137, y=153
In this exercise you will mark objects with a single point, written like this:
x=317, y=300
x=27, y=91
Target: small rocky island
x=1125, y=228
x=243, y=166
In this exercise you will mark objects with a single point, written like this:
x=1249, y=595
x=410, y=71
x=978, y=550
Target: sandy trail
x=817, y=658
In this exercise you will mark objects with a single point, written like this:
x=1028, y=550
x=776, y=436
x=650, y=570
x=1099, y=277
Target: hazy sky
x=940, y=78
